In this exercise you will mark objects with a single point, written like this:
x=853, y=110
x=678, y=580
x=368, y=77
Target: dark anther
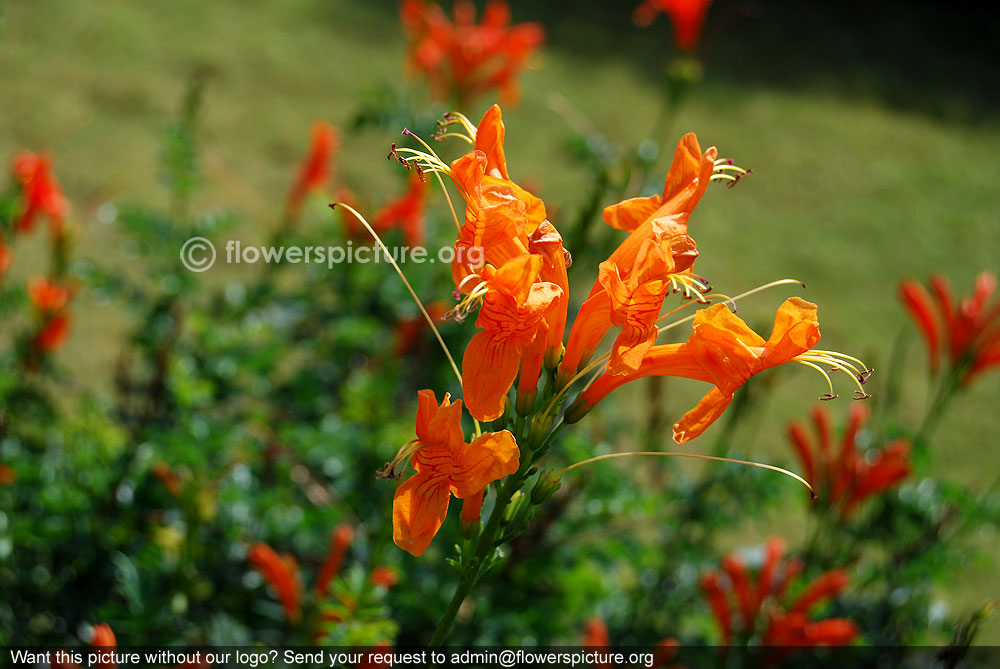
x=858, y=395
x=867, y=374
x=388, y=472
x=567, y=258
x=826, y=397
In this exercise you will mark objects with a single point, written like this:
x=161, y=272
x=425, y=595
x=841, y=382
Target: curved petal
x=591, y=324
x=488, y=458
x=489, y=140
x=629, y=214
x=489, y=367
x=796, y=330
x=419, y=508
x=698, y=419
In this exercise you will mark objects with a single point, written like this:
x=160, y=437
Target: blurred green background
x=872, y=132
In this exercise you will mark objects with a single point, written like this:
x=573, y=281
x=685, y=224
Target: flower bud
x=548, y=483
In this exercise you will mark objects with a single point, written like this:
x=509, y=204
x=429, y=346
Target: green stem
x=484, y=545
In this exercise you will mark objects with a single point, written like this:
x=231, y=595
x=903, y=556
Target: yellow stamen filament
x=444, y=135
x=835, y=361
x=732, y=300
x=413, y=294
x=695, y=456
x=470, y=302
x=463, y=120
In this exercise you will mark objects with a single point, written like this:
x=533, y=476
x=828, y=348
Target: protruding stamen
x=725, y=170
x=467, y=303
x=837, y=361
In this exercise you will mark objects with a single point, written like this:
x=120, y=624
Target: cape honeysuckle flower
x=763, y=607
x=50, y=299
x=654, y=259
x=968, y=331
x=406, y=213
x=282, y=574
x=41, y=192
x=846, y=478
x=340, y=541
x=685, y=15
x=723, y=351
x=315, y=172
x=445, y=465
x=513, y=336
x=462, y=60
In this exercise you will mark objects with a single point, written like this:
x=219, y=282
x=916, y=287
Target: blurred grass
x=856, y=183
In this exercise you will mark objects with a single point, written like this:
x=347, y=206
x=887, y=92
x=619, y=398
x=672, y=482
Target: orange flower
x=445, y=465
x=385, y=577
x=685, y=15
x=967, y=331
x=50, y=299
x=462, y=60
x=406, y=212
x=786, y=622
x=315, y=172
x=47, y=296
x=104, y=638
x=340, y=541
x=499, y=215
x=595, y=634
x=168, y=477
x=41, y=192
x=281, y=573
x=636, y=278
x=846, y=478
x=723, y=351
x=513, y=320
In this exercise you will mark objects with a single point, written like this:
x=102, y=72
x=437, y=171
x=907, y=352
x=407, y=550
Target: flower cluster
x=764, y=609
x=463, y=60
x=282, y=574
x=519, y=286
x=844, y=478
x=965, y=331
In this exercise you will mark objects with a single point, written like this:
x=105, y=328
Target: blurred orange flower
x=967, y=331
x=734, y=597
x=686, y=16
x=463, y=60
x=406, y=212
x=282, y=574
x=846, y=478
x=445, y=465
x=316, y=171
x=340, y=541
x=41, y=192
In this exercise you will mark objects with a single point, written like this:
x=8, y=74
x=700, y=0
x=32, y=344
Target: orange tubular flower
x=42, y=195
x=50, y=299
x=686, y=16
x=340, y=541
x=723, y=351
x=315, y=173
x=462, y=60
x=406, y=213
x=104, y=638
x=513, y=320
x=500, y=216
x=445, y=465
x=281, y=573
x=968, y=332
x=656, y=257
x=845, y=479
x=785, y=623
